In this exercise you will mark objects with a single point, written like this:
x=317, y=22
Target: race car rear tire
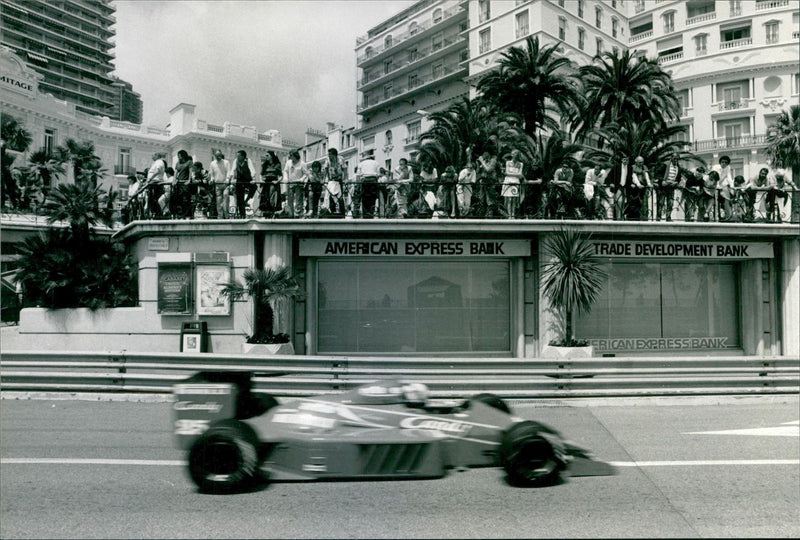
x=528, y=458
x=225, y=458
x=492, y=401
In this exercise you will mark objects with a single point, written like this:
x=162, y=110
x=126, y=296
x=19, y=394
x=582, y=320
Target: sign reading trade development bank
x=316, y=247
x=657, y=249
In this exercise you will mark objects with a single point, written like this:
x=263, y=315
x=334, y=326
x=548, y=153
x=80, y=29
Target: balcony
x=701, y=18
x=397, y=92
x=639, y=37
x=744, y=42
x=377, y=51
x=736, y=105
x=667, y=58
x=742, y=141
x=771, y=4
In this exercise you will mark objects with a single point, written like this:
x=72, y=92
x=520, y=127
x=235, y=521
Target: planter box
x=262, y=349
x=549, y=351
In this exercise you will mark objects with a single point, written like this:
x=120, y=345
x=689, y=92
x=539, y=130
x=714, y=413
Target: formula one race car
x=381, y=430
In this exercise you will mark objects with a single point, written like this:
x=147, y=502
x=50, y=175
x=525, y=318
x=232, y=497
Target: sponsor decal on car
x=210, y=406
x=305, y=420
x=420, y=422
x=190, y=427
x=206, y=389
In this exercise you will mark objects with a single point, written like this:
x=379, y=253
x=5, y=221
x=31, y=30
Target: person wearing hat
x=367, y=176
x=155, y=183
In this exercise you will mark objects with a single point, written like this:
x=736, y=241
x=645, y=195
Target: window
x=796, y=84
x=614, y=4
x=387, y=42
x=388, y=136
x=413, y=55
x=683, y=301
x=772, y=32
x=701, y=43
x=412, y=81
x=49, y=141
x=414, y=130
x=387, y=66
x=436, y=42
x=736, y=8
x=368, y=52
x=581, y=38
x=437, y=70
x=599, y=43
x=387, y=91
x=124, y=161
x=484, y=40
x=367, y=142
x=437, y=15
x=735, y=34
x=732, y=93
x=522, y=24
x=484, y=12
x=388, y=165
x=614, y=27
x=598, y=17
x=580, y=9
x=669, y=22
x=562, y=28
x=615, y=50
x=413, y=306
x=413, y=28
x=561, y=3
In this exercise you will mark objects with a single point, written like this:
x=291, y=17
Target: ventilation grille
x=381, y=459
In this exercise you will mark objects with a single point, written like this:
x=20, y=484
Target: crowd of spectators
x=487, y=187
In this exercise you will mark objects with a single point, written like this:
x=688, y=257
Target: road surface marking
x=787, y=429
x=180, y=463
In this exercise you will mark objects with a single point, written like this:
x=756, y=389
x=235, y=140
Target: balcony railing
x=127, y=170
x=736, y=43
x=795, y=35
x=667, y=58
x=639, y=37
x=742, y=141
x=394, y=92
x=420, y=55
x=744, y=103
x=400, y=38
x=771, y=4
x=700, y=18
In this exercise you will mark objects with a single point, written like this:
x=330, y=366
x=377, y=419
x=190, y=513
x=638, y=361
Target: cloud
x=286, y=65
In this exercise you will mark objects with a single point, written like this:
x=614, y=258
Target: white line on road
x=178, y=463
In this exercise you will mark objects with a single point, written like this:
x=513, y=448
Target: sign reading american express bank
x=657, y=249
x=659, y=344
x=317, y=247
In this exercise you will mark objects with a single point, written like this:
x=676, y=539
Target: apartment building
x=69, y=42
x=734, y=63
x=407, y=67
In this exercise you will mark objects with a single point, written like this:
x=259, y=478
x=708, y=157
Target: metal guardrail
x=446, y=377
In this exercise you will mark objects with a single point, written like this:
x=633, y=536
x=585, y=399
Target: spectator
x=447, y=192
x=429, y=177
x=511, y=184
x=665, y=193
x=335, y=174
x=487, y=183
x=315, y=183
x=368, y=181
x=638, y=191
x=169, y=181
x=402, y=179
x=739, y=200
x=133, y=210
x=725, y=186
x=155, y=183
x=218, y=176
x=757, y=193
x=708, y=198
x=271, y=172
x=180, y=201
x=466, y=180
x=384, y=201
x=295, y=176
x=560, y=199
x=203, y=196
x=241, y=175
x=778, y=198
x=594, y=191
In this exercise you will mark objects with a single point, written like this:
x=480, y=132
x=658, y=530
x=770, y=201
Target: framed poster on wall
x=210, y=279
x=175, y=289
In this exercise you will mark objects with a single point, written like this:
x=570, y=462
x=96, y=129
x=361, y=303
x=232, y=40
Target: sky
x=273, y=64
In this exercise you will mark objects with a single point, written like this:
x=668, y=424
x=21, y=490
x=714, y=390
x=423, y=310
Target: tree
x=572, y=278
x=82, y=206
x=86, y=166
x=268, y=287
x=16, y=138
x=784, y=141
x=625, y=89
x=535, y=82
x=47, y=167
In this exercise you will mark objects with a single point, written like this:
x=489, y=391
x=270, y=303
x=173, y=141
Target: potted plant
x=269, y=288
x=571, y=280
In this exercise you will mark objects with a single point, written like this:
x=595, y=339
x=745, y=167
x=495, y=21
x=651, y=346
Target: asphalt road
x=82, y=469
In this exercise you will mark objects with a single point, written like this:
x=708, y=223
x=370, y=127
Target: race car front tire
x=492, y=401
x=225, y=458
x=528, y=457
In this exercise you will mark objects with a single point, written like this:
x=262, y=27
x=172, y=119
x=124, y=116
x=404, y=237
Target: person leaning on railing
x=779, y=198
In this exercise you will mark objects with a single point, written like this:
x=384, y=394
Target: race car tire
x=225, y=458
x=527, y=457
x=492, y=401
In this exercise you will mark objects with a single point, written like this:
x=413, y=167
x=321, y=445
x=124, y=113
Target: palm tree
x=572, y=278
x=46, y=166
x=82, y=206
x=86, y=166
x=268, y=287
x=14, y=137
x=533, y=82
x=625, y=89
x=784, y=141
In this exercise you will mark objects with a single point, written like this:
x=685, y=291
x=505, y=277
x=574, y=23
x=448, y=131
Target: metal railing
x=446, y=377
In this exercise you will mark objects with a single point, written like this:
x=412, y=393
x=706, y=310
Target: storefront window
x=668, y=306
x=418, y=307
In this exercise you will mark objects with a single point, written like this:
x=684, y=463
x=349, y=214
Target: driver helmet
x=415, y=393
